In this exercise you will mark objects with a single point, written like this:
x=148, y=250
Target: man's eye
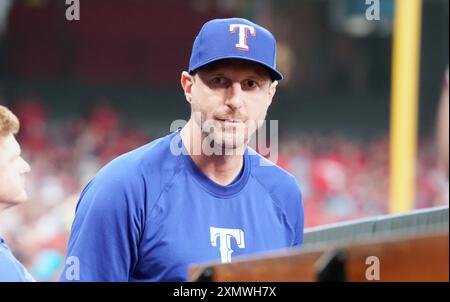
x=250, y=84
x=219, y=81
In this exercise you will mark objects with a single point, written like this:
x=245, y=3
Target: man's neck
x=221, y=168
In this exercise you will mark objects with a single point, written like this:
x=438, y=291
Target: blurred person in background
x=13, y=169
x=443, y=127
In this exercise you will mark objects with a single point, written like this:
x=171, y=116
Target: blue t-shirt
x=11, y=270
x=150, y=213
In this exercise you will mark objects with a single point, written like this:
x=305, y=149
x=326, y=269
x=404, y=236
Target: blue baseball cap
x=234, y=38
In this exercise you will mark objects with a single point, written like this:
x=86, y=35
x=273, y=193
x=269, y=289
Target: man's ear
x=272, y=90
x=186, y=83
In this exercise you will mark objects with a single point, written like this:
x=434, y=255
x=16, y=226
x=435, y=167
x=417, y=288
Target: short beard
x=220, y=141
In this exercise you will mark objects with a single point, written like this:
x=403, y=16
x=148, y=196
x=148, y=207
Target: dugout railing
x=407, y=247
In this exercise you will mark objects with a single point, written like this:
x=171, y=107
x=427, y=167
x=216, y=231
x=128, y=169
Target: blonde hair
x=9, y=123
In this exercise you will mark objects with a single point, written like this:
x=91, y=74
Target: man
x=12, y=190
x=199, y=194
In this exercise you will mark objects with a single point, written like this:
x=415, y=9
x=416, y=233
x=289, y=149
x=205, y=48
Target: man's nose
x=235, y=96
x=25, y=167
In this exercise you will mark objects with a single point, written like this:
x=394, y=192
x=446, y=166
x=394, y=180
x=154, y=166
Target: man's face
x=229, y=100
x=12, y=172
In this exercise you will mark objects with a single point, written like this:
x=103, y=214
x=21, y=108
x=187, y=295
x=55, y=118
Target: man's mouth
x=230, y=121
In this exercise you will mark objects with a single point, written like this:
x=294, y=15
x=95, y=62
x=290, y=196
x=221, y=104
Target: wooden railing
x=422, y=257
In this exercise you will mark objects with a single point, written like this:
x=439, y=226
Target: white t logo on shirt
x=224, y=236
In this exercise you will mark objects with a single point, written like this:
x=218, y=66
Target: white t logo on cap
x=243, y=33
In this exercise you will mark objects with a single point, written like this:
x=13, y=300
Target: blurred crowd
x=340, y=178
x=343, y=179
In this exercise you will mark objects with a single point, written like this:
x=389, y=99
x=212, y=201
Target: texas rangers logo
x=225, y=235
x=243, y=34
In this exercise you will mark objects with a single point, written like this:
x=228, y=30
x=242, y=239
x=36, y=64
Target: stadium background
x=89, y=90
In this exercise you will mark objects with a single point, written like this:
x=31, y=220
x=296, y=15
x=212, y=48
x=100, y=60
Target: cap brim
x=275, y=74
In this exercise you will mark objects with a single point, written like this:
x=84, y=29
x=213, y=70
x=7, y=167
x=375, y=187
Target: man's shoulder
x=283, y=189
x=148, y=159
x=269, y=173
x=280, y=184
x=149, y=165
x=10, y=269
x=131, y=179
